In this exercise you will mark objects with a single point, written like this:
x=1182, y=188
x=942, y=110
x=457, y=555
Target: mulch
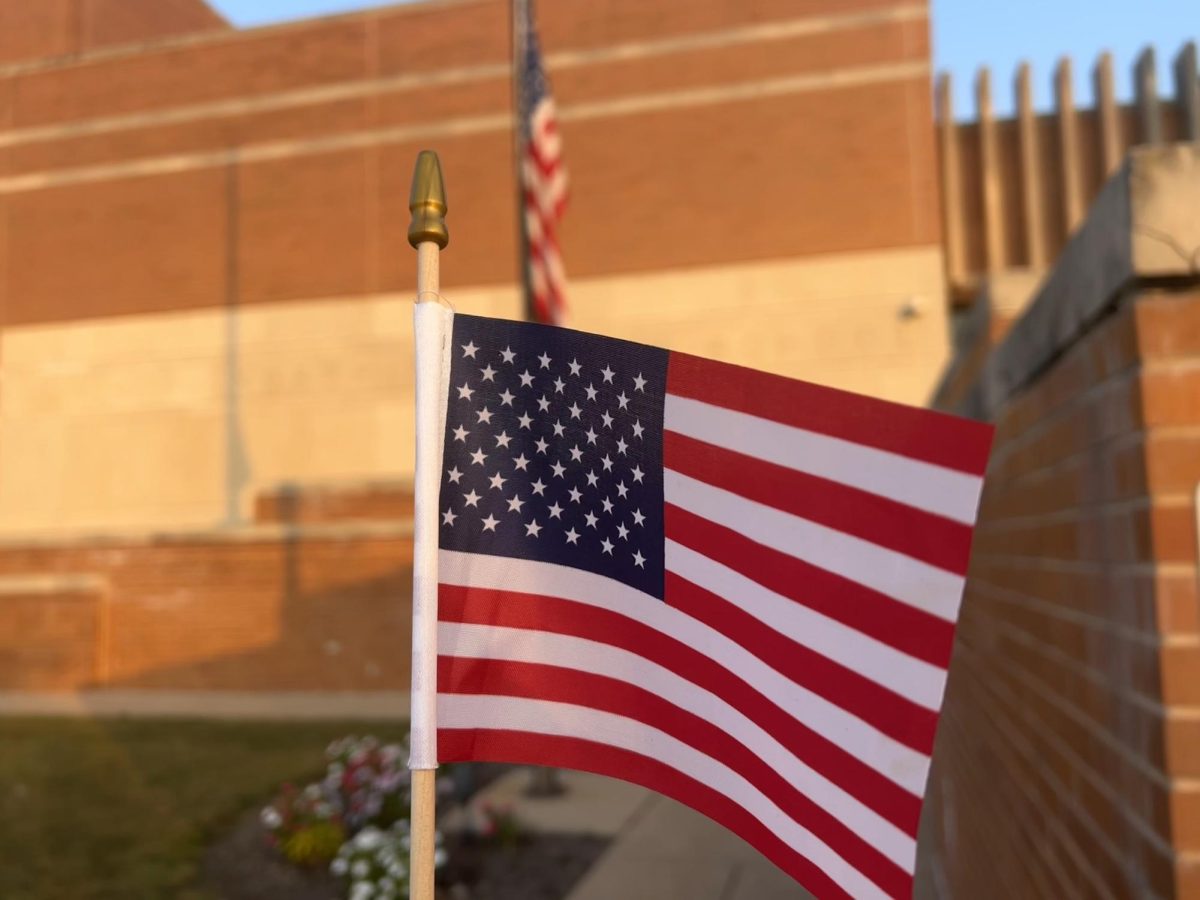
x=242, y=866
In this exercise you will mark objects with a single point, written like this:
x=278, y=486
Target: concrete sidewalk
x=661, y=850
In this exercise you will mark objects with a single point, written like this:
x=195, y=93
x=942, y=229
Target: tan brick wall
x=1066, y=759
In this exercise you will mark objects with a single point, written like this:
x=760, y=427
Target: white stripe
x=900, y=764
x=544, y=648
x=900, y=577
x=912, y=482
x=911, y=678
x=565, y=720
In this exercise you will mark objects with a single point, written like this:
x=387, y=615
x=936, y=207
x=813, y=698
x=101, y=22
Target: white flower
x=386, y=884
x=397, y=870
x=440, y=857
x=339, y=866
x=361, y=890
x=369, y=838
x=360, y=869
x=312, y=791
x=270, y=817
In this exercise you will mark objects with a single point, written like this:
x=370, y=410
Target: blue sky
x=966, y=33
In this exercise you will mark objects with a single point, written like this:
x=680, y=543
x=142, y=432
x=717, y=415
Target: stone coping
x=1142, y=228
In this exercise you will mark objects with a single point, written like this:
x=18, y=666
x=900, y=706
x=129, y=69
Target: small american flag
x=543, y=176
x=734, y=588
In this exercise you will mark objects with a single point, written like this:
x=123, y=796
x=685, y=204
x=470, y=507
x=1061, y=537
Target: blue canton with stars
x=554, y=449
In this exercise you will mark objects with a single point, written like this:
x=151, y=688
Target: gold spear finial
x=427, y=202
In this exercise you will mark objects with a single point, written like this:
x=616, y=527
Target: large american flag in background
x=734, y=588
x=543, y=176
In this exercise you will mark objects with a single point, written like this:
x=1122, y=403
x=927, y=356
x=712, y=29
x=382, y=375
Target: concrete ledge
x=1142, y=227
x=269, y=532
x=265, y=705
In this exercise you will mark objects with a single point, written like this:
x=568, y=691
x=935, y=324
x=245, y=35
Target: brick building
x=205, y=401
x=205, y=267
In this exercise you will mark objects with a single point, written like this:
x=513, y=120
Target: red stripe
x=896, y=624
x=917, y=433
x=894, y=715
x=514, y=610
x=588, y=756
x=913, y=532
x=562, y=685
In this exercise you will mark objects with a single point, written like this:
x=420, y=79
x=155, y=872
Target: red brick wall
x=307, y=223
x=301, y=610
x=1069, y=751
x=38, y=29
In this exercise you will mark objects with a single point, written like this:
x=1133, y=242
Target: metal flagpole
x=520, y=20
x=432, y=323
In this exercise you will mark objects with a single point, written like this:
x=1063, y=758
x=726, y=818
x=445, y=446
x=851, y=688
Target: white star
x=637, y=474
x=639, y=559
x=574, y=410
x=485, y=415
x=592, y=478
x=606, y=462
x=623, y=400
x=490, y=523
x=469, y=349
x=539, y=487
x=576, y=453
x=448, y=517
x=521, y=462
x=555, y=511
x=637, y=429
x=488, y=373
x=506, y=398
x=591, y=435
x=621, y=489
x=608, y=374
x=515, y=503
x=591, y=519
x=532, y=529
x=558, y=470
x=607, y=420
x=526, y=379
x=608, y=505
x=575, y=495
x=465, y=392
x=638, y=518
x=623, y=532
x=507, y=354
x=559, y=427
x=572, y=536
x=608, y=546
x=503, y=440
x=559, y=385
x=575, y=367
x=541, y=445
x=543, y=404
x=639, y=383
x=460, y=434
x=591, y=392
x=497, y=481
x=525, y=420
x=454, y=475
x=478, y=457
x=544, y=359
x=471, y=499
x=621, y=446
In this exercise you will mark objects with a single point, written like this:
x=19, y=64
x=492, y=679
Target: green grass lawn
x=123, y=808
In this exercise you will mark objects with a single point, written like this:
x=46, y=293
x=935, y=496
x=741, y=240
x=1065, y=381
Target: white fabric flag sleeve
x=432, y=327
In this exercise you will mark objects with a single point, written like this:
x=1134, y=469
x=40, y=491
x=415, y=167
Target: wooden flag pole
x=427, y=233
